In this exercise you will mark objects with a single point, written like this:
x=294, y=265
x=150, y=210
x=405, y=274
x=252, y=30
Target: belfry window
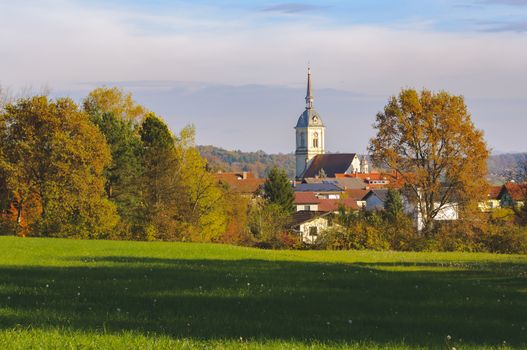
x=315, y=140
x=302, y=140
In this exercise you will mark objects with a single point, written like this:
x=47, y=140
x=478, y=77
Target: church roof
x=332, y=164
x=310, y=117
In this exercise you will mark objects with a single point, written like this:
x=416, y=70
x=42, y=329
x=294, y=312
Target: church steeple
x=310, y=133
x=309, y=96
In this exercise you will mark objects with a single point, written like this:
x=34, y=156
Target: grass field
x=121, y=295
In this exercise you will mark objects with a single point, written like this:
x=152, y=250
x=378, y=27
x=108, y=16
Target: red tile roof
x=306, y=198
x=494, y=192
x=518, y=192
x=245, y=183
x=329, y=205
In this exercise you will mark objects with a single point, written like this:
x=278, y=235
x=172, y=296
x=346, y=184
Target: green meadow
x=75, y=294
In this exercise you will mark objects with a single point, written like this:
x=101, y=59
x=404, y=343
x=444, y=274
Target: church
x=311, y=158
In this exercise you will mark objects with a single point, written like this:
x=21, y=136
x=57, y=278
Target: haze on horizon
x=237, y=69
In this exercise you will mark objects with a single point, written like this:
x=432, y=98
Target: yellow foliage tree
x=53, y=155
x=430, y=141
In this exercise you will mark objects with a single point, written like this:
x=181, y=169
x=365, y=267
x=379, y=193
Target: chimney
x=244, y=175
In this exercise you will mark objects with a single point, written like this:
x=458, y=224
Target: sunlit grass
x=103, y=294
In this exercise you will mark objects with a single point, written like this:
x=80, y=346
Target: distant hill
x=505, y=167
x=502, y=167
x=257, y=162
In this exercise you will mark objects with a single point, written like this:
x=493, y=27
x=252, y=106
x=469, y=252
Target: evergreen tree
x=393, y=206
x=161, y=179
x=124, y=174
x=278, y=190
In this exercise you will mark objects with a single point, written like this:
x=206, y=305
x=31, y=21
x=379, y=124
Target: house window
x=313, y=231
x=307, y=207
x=315, y=140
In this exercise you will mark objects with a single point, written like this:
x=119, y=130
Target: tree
x=430, y=141
x=53, y=160
x=277, y=189
x=267, y=221
x=202, y=206
x=115, y=101
x=161, y=178
x=124, y=173
x=393, y=205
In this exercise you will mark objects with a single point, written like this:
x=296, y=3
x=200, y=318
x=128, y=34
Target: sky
x=237, y=69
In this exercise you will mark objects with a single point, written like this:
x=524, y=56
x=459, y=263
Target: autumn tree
x=52, y=162
x=202, y=201
x=116, y=101
x=430, y=141
x=267, y=221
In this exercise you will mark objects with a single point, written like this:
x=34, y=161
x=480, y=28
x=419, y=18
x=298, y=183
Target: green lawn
x=121, y=295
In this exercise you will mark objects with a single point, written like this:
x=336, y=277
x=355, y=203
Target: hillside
x=502, y=167
x=257, y=162
x=58, y=293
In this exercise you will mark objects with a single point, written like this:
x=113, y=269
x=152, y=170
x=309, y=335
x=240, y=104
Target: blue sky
x=236, y=69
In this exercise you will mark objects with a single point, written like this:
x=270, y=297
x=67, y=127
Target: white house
x=310, y=224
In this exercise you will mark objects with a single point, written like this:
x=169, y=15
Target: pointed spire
x=309, y=96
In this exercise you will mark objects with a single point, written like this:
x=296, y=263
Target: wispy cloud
x=518, y=27
x=506, y=2
x=60, y=43
x=292, y=7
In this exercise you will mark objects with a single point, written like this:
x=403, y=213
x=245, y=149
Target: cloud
x=291, y=7
x=60, y=44
x=518, y=27
x=506, y=2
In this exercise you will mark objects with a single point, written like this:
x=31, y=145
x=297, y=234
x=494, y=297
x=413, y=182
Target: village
x=326, y=183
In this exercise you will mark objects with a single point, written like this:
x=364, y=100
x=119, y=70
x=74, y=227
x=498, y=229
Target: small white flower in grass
x=350, y=321
x=248, y=284
x=78, y=294
x=328, y=323
x=448, y=337
x=47, y=285
x=8, y=298
x=453, y=348
x=118, y=310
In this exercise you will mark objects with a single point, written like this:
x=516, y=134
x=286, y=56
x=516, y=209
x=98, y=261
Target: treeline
x=259, y=163
x=111, y=169
x=106, y=169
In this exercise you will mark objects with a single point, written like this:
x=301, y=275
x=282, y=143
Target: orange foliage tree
x=430, y=141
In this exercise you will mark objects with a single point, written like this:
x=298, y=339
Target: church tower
x=310, y=133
